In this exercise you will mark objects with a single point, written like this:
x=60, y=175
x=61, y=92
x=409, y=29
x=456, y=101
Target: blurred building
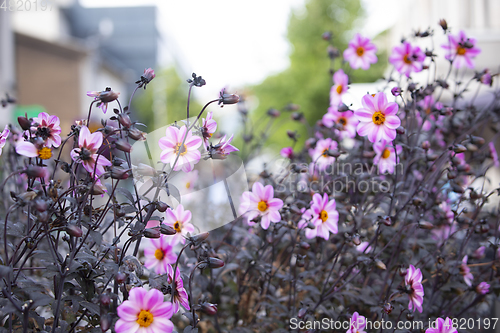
x=50, y=58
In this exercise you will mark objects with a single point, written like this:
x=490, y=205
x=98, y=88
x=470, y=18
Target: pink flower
x=29, y=149
x=465, y=271
x=386, y=156
x=479, y=253
x=208, y=128
x=483, y=288
x=180, y=293
x=360, y=52
x=144, y=312
x=493, y=153
x=47, y=127
x=223, y=148
x=363, y=247
x=413, y=281
x=86, y=153
x=3, y=138
x=323, y=215
x=441, y=326
x=407, y=59
x=346, y=122
x=261, y=203
x=287, y=152
x=103, y=97
x=171, y=146
x=159, y=255
x=461, y=50
x=446, y=208
x=179, y=220
x=320, y=154
x=340, y=82
x=357, y=324
x=377, y=118
x=146, y=77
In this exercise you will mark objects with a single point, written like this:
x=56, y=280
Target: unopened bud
x=297, y=116
x=426, y=145
x=208, y=308
x=120, y=277
x=119, y=173
x=458, y=148
x=167, y=230
x=74, y=230
x=425, y=225
x=123, y=145
x=403, y=271
x=35, y=171
x=151, y=233
x=197, y=239
x=400, y=130
x=24, y=122
x=161, y=206
x=105, y=322
x=215, y=263
x=443, y=24
x=124, y=120
x=136, y=134
x=273, y=113
x=396, y=91
x=380, y=264
x=105, y=299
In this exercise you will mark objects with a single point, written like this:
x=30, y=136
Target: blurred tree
x=307, y=81
x=164, y=100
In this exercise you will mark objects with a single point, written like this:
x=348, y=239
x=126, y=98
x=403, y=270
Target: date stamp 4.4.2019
x=25, y=5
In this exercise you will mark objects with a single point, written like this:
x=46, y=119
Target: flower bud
x=426, y=145
x=458, y=148
x=108, y=95
x=327, y=35
x=226, y=99
x=105, y=322
x=120, y=277
x=124, y=120
x=396, y=91
x=471, y=147
x=292, y=107
x=41, y=205
x=74, y=230
x=119, y=173
x=215, y=263
x=123, y=145
x=208, y=308
x=197, y=239
x=305, y=245
x=145, y=170
x=356, y=240
x=167, y=230
x=400, y=130
x=380, y=264
x=425, y=225
x=292, y=135
x=443, y=24
x=35, y=171
x=24, y=122
x=161, y=206
x=136, y=134
x=105, y=299
x=403, y=271
x=333, y=52
x=297, y=116
x=388, y=308
x=387, y=220
x=273, y=113
x=302, y=313
x=151, y=233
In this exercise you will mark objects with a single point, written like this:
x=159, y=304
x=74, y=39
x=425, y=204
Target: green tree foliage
x=307, y=80
x=164, y=100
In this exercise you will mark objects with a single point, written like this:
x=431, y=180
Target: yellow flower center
x=339, y=89
x=188, y=184
x=145, y=318
x=262, y=206
x=360, y=51
x=323, y=216
x=407, y=60
x=461, y=50
x=178, y=226
x=386, y=153
x=45, y=153
x=378, y=118
x=183, y=150
x=325, y=153
x=159, y=254
x=342, y=121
